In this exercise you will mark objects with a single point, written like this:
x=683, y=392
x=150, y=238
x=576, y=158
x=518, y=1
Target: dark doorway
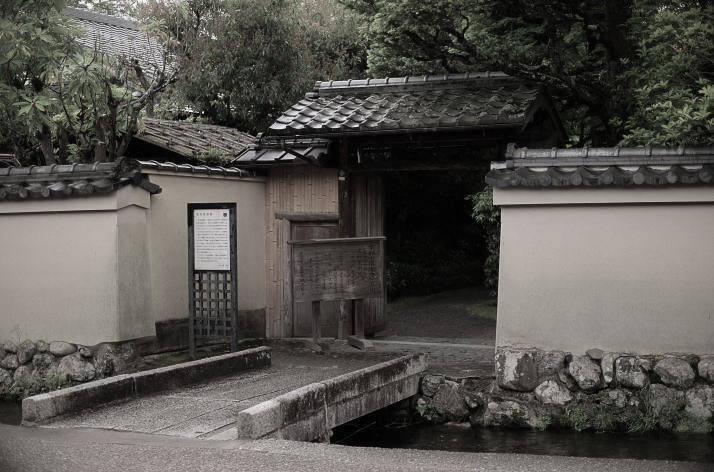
x=433, y=243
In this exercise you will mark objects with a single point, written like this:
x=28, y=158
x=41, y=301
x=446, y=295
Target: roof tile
x=598, y=167
x=453, y=101
x=193, y=139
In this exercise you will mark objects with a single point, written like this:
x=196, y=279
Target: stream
x=369, y=432
x=461, y=437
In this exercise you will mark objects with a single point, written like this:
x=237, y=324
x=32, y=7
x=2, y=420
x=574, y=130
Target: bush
x=489, y=218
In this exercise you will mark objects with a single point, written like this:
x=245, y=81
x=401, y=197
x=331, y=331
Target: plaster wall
x=168, y=238
x=60, y=269
x=133, y=281
x=623, y=270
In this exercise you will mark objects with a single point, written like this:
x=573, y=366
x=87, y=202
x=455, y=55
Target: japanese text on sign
x=211, y=240
x=337, y=269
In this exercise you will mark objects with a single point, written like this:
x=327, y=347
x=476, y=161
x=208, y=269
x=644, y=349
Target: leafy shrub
x=489, y=218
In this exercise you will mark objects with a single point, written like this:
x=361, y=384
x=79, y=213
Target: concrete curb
x=46, y=406
x=310, y=412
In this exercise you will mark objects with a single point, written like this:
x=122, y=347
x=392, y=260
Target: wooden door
x=368, y=195
x=302, y=312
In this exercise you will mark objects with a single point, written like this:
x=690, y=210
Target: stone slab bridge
x=256, y=393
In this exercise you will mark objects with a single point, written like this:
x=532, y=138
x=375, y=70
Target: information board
x=212, y=274
x=211, y=239
x=337, y=269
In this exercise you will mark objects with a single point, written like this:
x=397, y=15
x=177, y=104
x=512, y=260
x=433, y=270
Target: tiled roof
x=194, y=139
x=301, y=152
x=191, y=169
x=119, y=37
x=71, y=180
x=410, y=104
x=597, y=167
x=78, y=180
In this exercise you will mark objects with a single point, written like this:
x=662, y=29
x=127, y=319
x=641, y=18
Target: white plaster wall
x=58, y=275
x=624, y=276
x=133, y=281
x=168, y=238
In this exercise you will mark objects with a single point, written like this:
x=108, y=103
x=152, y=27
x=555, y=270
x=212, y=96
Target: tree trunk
x=46, y=146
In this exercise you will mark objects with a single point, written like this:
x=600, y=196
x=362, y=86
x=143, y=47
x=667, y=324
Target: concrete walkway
x=60, y=450
x=208, y=410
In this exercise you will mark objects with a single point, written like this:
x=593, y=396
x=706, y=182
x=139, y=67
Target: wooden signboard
x=337, y=269
x=212, y=272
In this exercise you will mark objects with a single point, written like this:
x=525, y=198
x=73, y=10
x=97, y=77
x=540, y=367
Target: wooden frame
x=337, y=269
x=212, y=293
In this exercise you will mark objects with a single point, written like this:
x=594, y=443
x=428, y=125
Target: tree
x=251, y=59
x=609, y=64
x=673, y=77
x=60, y=102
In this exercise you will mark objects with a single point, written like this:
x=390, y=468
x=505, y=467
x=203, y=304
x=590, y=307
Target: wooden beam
x=297, y=216
x=344, y=190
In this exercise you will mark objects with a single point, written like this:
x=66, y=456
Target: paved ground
x=466, y=315
x=40, y=449
x=456, y=328
x=208, y=410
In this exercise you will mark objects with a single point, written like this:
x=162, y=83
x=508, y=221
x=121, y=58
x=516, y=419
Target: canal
x=373, y=432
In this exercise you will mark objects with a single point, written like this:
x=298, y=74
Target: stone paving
x=208, y=410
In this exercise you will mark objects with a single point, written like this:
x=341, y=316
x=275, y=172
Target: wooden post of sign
x=316, y=327
x=358, y=340
x=341, y=321
x=338, y=269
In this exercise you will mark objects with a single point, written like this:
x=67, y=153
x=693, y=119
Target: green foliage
x=631, y=71
x=118, y=8
x=60, y=102
x=39, y=382
x=488, y=218
x=427, y=411
x=249, y=60
x=214, y=157
x=591, y=416
x=638, y=416
x=673, y=81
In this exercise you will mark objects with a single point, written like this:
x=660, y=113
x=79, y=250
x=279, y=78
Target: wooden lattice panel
x=213, y=305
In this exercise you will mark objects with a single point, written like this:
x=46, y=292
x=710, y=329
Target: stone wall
x=30, y=367
x=601, y=391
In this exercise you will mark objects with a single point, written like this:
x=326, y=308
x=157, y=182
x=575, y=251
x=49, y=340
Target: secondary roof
x=598, y=167
x=194, y=140
x=82, y=180
x=118, y=37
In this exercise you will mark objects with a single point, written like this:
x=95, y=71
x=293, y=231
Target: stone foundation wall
x=601, y=391
x=31, y=367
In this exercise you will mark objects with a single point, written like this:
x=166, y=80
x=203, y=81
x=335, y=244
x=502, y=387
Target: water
x=461, y=437
x=10, y=412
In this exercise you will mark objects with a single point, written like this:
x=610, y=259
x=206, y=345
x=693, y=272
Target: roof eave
x=338, y=134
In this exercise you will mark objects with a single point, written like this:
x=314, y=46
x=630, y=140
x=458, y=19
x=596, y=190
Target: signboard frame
x=338, y=269
x=212, y=293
